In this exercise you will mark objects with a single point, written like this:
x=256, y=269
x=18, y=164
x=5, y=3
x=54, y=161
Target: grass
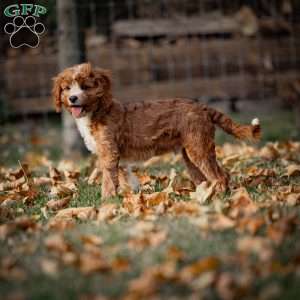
x=23, y=251
x=70, y=283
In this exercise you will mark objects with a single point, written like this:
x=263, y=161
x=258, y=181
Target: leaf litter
x=42, y=204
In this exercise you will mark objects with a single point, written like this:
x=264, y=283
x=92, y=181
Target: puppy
x=139, y=130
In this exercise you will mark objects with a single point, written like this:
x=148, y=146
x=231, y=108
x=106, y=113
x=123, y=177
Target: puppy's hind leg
x=194, y=172
x=204, y=157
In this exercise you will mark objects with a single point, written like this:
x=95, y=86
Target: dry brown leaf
x=61, y=224
x=57, y=243
x=6, y=230
x=91, y=239
x=169, y=188
x=63, y=189
x=293, y=199
x=9, y=270
x=145, y=234
x=226, y=286
x=150, y=280
x=174, y=253
x=144, y=178
x=222, y=222
x=269, y=152
x=182, y=185
x=282, y=228
x=70, y=258
x=83, y=213
x=155, y=199
x=293, y=170
x=185, y=208
x=49, y=266
x=258, y=245
x=203, y=192
x=68, y=165
x=251, y=224
x=242, y=204
x=92, y=262
x=54, y=174
x=107, y=212
x=10, y=185
x=120, y=264
x=207, y=264
x=38, y=181
x=231, y=159
x=71, y=175
x=58, y=204
x=94, y=177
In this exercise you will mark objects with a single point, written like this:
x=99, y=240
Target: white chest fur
x=84, y=128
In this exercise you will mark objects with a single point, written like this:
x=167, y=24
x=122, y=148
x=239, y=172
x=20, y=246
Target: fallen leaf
x=83, y=213
x=169, y=188
x=258, y=245
x=94, y=177
x=58, y=204
x=120, y=264
x=91, y=239
x=107, y=212
x=207, y=264
x=57, y=243
x=49, y=266
x=203, y=192
x=293, y=170
x=92, y=262
x=242, y=204
x=269, y=152
x=155, y=199
x=185, y=208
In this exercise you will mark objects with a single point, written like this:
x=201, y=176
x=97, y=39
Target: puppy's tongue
x=76, y=111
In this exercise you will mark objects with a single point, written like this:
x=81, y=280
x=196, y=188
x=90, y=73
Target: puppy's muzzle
x=73, y=99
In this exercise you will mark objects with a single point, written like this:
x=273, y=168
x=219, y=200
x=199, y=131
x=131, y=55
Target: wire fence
x=205, y=49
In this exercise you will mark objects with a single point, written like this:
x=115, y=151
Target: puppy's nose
x=73, y=99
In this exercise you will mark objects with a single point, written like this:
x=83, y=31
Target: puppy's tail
x=243, y=132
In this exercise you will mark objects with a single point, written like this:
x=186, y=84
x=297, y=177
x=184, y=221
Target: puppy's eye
x=84, y=87
x=67, y=88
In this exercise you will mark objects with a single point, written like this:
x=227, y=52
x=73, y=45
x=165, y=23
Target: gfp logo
x=24, y=30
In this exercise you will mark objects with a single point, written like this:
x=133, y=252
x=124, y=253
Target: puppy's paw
x=221, y=187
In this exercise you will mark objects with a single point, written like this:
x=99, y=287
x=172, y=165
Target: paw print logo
x=24, y=32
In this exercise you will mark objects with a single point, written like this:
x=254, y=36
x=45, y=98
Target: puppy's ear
x=56, y=93
x=104, y=77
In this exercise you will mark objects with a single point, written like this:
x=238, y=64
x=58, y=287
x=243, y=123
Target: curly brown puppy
x=137, y=131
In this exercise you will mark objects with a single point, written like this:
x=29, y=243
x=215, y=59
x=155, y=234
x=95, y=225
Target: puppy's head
x=82, y=89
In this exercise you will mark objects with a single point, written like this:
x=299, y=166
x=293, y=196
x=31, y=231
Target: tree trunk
x=69, y=54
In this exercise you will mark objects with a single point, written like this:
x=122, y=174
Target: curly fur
x=139, y=130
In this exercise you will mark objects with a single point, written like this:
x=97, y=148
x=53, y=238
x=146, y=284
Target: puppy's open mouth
x=77, y=110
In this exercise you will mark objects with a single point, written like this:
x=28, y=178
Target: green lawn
x=165, y=244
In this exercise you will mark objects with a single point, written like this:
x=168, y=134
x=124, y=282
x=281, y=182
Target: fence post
x=69, y=54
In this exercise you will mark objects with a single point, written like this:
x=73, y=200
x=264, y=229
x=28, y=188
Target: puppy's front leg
x=109, y=182
x=109, y=155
